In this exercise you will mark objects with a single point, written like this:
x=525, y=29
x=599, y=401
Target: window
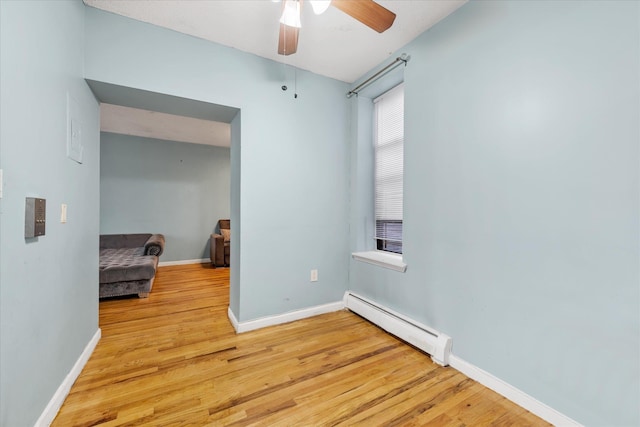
x=389, y=148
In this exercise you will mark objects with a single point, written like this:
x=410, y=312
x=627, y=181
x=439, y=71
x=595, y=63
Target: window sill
x=381, y=259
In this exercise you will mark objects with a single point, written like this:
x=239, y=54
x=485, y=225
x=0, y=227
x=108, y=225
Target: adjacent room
x=435, y=210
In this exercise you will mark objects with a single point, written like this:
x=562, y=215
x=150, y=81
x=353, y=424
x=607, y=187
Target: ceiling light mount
x=320, y=6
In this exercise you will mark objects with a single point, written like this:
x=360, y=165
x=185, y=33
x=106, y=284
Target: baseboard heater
x=436, y=344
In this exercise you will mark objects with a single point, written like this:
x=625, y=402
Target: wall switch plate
x=1, y=184
x=63, y=213
x=314, y=275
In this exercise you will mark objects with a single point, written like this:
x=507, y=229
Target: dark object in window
x=389, y=235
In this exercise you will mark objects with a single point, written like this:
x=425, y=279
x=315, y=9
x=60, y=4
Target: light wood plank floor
x=174, y=360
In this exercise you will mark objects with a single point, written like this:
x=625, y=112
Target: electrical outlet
x=314, y=275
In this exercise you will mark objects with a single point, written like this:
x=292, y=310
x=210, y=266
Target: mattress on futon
x=126, y=264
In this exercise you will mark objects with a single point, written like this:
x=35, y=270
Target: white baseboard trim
x=184, y=262
x=279, y=319
x=513, y=394
x=232, y=319
x=50, y=412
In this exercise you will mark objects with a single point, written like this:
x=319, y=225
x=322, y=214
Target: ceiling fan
x=368, y=12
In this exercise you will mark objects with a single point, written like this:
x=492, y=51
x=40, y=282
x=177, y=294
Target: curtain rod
x=402, y=59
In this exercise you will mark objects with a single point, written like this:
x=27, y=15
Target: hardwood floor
x=174, y=359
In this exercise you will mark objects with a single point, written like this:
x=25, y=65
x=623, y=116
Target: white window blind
x=389, y=170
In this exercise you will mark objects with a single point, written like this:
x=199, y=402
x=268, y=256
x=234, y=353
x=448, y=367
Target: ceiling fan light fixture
x=291, y=14
x=320, y=6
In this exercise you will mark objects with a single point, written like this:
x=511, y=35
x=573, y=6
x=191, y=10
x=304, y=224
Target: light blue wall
x=48, y=285
x=522, y=199
x=152, y=186
x=236, y=214
x=294, y=180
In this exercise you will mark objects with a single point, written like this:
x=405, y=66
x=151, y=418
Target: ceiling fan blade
x=288, y=40
x=368, y=12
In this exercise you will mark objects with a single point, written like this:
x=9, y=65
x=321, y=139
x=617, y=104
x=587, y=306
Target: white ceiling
x=332, y=44
x=153, y=124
